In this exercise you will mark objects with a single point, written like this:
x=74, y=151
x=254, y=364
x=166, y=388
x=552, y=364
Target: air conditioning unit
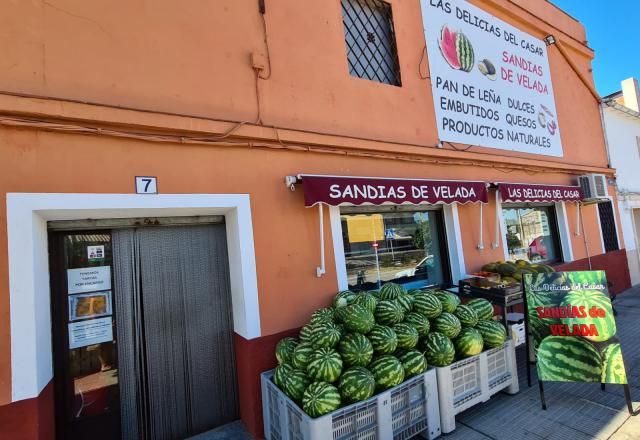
x=594, y=186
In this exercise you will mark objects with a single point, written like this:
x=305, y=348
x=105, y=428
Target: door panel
x=173, y=287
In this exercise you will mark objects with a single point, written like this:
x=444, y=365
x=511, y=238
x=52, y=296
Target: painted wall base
x=30, y=419
x=614, y=263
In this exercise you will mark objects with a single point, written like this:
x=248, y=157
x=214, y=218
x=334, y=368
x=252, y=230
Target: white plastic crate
x=473, y=380
x=399, y=413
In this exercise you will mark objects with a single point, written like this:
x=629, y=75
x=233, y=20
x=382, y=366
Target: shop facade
x=270, y=140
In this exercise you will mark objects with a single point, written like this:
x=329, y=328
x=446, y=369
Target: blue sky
x=613, y=32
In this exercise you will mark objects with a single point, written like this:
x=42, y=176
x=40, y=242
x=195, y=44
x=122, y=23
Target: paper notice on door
x=95, y=253
x=93, y=331
x=89, y=279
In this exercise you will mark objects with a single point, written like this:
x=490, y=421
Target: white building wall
x=623, y=131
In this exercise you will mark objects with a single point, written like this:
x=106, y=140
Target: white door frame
x=29, y=289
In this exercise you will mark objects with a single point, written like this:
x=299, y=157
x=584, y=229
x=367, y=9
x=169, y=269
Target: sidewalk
x=574, y=411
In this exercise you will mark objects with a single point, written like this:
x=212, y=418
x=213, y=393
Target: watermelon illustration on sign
x=456, y=49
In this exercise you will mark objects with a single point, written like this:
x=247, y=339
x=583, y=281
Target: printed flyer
x=573, y=328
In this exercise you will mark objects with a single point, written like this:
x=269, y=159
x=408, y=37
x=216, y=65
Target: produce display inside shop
x=367, y=342
x=511, y=272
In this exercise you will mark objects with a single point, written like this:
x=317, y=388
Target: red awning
x=524, y=192
x=347, y=190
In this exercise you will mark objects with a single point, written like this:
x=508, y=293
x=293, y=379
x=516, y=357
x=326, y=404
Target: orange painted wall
x=194, y=58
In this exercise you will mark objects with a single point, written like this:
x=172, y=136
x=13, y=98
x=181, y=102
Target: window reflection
x=531, y=234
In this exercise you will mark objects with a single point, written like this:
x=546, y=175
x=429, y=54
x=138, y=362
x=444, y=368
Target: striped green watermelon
x=375, y=293
x=358, y=319
x=301, y=356
x=383, y=339
x=447, y=324
x=613, y=370
x=468, y=343
x=325, y=364
x=305, y=333
x=405, y=301
x=439, y=349
x=280, y=374
x=320, y=398
x=413, y=362
x=467, y=316
x=414, y=292
x=322, y=315
x=284, y=350
x=367, y=300
x=449, y=301
x=325, y=335
x=388, y=371
x=540, y=328
x=493, y=333
x=427, y=305
x=482, y=307
x=464, y=50
x=605, y=326
x=391, y=291
x=295, y=383
x=356, y=350
x=568, y=359
x=418, y=321
x=407, y=336
x=388, y=312
x=356, y=384
x=343, y=298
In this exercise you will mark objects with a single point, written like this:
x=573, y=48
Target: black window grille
x=608, y=227
x=371, y=41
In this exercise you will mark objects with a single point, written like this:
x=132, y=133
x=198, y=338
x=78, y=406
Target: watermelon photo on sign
x=572, y=328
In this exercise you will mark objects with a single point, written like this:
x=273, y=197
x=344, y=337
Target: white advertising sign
x=491, y=82
x=89, y=279
x=93, y=331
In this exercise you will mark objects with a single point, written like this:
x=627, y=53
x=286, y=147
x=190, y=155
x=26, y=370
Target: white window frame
x=452, y=232
x=564, y=234
x=29, y=288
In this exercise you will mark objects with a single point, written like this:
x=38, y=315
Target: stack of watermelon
x=368, y=342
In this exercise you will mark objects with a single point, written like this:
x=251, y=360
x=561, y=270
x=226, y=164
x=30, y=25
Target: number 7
x=146, y=186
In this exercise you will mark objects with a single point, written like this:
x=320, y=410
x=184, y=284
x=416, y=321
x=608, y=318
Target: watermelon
x=320, y=398
x=427, y=305
x=356, y=350
x=568, y=359
x=493, y=333
x=448, y=48
x=280, y=375
x=295, y=383
x=464, y=51
x=301, y=356
x=383, y=339
x=482, y=307
x=388, y=312
x=356, y=384
x=322, y=315
x=447, y=324
x=418, y=321
x=325, y=335
x=540, y=328
x=605, y=326
x=374, y=293
x=413, y=362
x=407, y=336
x=414, y=292
x=325, y=364
x=357, y=319
x=405, y=301
x=388, y=371
x=343, y=298
x=284, y=350
x=467, y=316
x=305, y=333
x=439, y=349
x=391, y=291
x=613, y=370
x=469, y=342
x=367, y=300
x=449, y=301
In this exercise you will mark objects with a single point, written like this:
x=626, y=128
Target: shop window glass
x=406, y=247
x=532, y=233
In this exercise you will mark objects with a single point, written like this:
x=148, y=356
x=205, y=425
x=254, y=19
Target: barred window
x=608, y=226
x=371, y=41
